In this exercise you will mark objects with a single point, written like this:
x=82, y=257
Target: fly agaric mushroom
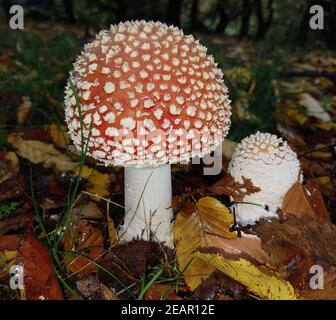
x=153, y=97
x=272, y=166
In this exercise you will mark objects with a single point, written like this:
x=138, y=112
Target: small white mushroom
x=272, y=166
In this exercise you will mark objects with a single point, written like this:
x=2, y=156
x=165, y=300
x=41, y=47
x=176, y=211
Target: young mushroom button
x=272, y=166
x=151, y=97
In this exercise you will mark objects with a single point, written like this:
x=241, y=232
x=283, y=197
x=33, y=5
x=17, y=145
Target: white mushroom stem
x=148, y=211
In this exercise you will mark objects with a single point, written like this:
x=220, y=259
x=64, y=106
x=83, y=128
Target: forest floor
x=59, y=211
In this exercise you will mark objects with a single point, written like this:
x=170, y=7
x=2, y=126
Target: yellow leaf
x=39, y=152
x=259, y=280
x=24, y=110
x=9, y=167
x=211, y=216
x=325, y=125
x=228, y=147
x=59, y=135
x=111, y=230
x=320, y=155
x=97, y=182
x=325, y=185
x=10, y=254
x=298, y=117
x=314, y=108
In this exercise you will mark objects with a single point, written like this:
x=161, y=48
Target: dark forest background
x=282, y=21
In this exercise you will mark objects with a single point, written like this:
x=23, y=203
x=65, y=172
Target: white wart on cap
x=272, y=166
x=151, y=94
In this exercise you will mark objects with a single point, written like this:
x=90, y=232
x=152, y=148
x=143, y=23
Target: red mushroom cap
x=150, y=94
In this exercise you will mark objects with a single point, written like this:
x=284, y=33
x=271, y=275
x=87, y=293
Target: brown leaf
x=184, y=203
x=315, y=168
x=300, y=203
x=17, y=222
x=161, y=292
x=296, y=202
x=230, y=187
x=40, y=281
x=84, y=245
x=137, y=256
x=40, y=152
x=91, y=288
x=296, y=244
x=316, y=200
x=218, y=284
x=246, y=248
x=87, y=210
x=12, y=188
x=107, y=293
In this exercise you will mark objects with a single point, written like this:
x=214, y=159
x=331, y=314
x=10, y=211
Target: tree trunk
x=301, y=36
x=69, y=10
x=6, y=4
x=247, y=9
x=223, y=16
x=263, y=25
x=194, y=24
x=174, y=12
x=330, y=24
x=121, y=10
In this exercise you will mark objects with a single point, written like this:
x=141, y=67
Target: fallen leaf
x=293, y=136
x=228, y=148
x=40, y=152
x=211, y=216
x=320, y=155
x=315, y=168
x=161, y=292
x=40, y=281
x=84, y=247
x=295, y=245
x=24, y=109
x=326, y=185
x=259, y=280
x=230, y=187
x=246, y=248
x=9, y=166
x=296, y=202
x=314, y=109
x=12, y=188
x=25, y=221
x=97, y=182
x=107, y=293
x=89, y=288
x=316, y=200
x=113, y=236
x=87, y=210
x=59, y=135
x=327, y=126
x=218, y=284
x=136, y=257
